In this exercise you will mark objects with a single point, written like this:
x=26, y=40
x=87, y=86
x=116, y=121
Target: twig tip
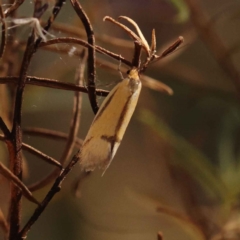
x=106, y=18
x=181, y=39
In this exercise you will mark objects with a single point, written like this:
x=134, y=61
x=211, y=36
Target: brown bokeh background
x=177, y=169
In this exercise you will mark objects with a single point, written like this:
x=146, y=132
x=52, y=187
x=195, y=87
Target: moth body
x=110, y=123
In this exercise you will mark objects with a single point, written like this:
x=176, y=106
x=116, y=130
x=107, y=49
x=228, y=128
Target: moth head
x=133, y=73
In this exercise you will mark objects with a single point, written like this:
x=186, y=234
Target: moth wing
x=108, y=127
x=96, y=152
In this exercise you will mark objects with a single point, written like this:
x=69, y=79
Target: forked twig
x=133, y=35
x=140, y=42
x=143, y=39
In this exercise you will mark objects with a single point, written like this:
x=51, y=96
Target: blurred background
x=177, y=170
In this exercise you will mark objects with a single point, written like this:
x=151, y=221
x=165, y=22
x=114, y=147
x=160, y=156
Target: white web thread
x=33, y=22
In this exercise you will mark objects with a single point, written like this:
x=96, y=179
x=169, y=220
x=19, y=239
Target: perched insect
x=110, y=123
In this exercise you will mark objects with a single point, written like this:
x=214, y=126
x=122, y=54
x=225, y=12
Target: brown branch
x=4, y=33
x=85, y=44
x=37, y=153
x=4, y=128
x=15, y=151
x=133, y=35
x=171, y=48
x=137, y=54
x=41, y=155
x=39, y=8
x=11, y=177
x=51, y=134
x=51, y=83
x=91, y=55
x=78, y=32
x=16, y=148
x=159, y=236
x=55, y=189
x=213, y=41
x=101, y=63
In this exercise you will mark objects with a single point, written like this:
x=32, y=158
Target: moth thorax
x=133, y=84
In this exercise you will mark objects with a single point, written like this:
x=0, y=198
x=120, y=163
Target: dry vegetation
x=185, y=170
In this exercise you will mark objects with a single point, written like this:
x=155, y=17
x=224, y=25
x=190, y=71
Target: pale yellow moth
x=110, y=123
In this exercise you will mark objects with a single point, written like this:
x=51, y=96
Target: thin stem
x=91, y=55
x=4, y=128
x=50, y=134
x=41, y=155
x=3, y=33
x=79, y=32
x=14, y=6
x=85, y=44
x=51, y=83
x=16, y=156
x=11, y=177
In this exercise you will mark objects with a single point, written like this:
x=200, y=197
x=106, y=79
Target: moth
x=111, y=120
x=110, y=123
